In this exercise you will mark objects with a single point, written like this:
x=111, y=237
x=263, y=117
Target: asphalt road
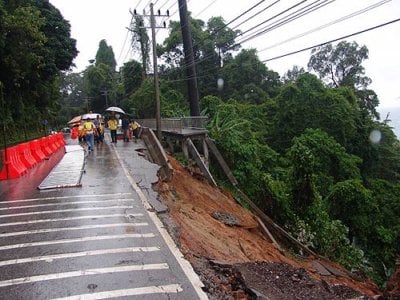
x=102, y=240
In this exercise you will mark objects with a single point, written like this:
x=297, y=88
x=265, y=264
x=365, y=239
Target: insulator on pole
x=135, y=12
x=168, y=12
x=165, y=25
x=159, y=12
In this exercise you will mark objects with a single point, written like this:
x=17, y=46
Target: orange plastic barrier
x=36, y=151
x=74, y=133
x=61, y=139
x=25, y=155
x=44, y=146
x=51, y=143
x=18, y=159
x=56, y=140
x=12, y=166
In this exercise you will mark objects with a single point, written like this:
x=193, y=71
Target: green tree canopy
x=105, y=55
x=342, y=66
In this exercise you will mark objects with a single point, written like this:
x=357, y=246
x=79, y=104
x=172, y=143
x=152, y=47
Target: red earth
x=228, y=250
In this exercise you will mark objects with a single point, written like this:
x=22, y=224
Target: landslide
x=228, y=250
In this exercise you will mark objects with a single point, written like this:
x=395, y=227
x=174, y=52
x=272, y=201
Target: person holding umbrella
x=113, y=125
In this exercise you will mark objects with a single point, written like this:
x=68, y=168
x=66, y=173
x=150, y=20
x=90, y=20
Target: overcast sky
x=94, y=20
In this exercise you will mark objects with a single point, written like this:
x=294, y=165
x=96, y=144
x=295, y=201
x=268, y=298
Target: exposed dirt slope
x=227, y=248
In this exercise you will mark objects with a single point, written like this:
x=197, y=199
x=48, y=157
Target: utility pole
x=105, y=93
x=155, y=66
x=189, y=60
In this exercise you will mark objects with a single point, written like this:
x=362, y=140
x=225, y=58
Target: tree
x=35, y=45
x=309, y=104
x=141, y=42
x=342, y=66
x=291, y=75
x=131, y=76
x=105, y=55
x=223, y=37
x=245, y=69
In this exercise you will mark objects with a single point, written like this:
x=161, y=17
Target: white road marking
x=63, y=203
x=146, y=290
x=58, y=229
x=69, y=219
x=87, y=272
x=185, y=265
x=78, y=240
x=64, y=210
x=64, y=197
x=50, y=258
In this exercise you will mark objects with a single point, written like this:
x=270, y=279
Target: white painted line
x=79, y=240
x=185, y=265
x=87, y=272
x=146, y=290
x=69, y=219
x=63, y=203
x=50, y=258
x=64, y=197
x=58, y=229
x=64, y=210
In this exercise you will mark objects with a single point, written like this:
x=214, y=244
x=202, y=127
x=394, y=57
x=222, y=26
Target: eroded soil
x=228, y=250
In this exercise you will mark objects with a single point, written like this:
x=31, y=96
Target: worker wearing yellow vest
x=113, y=125
x=136, y=129
x=89, y=130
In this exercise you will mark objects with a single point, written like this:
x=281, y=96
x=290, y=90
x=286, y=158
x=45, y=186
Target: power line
x=256, y=14
x=234, y=19
x=207, y=7
x=241, y=33
x=308, y=48
x=327, y=25
x=287, y=19
x=164, y=4
x=331, y=41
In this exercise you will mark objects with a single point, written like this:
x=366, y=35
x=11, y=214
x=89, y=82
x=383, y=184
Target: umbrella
x=90, y=116
x=115, y=109
x=75, y=120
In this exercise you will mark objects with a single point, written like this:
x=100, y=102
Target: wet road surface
x=97, y=241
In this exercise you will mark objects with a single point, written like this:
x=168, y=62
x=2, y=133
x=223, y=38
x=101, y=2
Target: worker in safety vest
x=136, y=129
x=89, y=129
x=113, y=125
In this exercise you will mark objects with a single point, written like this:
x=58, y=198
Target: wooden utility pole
x=155, y=66
x=190, y=66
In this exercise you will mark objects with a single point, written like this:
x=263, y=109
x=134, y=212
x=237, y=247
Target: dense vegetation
x=35, y=45
x=307, y=147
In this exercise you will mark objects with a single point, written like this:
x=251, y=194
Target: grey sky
x=93, y=20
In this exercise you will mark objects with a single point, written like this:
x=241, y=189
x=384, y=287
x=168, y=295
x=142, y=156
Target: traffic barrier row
x=17, y=160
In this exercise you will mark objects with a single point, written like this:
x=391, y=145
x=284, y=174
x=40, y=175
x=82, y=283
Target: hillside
x=227, y=249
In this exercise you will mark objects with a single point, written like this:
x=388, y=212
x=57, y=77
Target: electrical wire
x=241, y=33
x=305, y=49
x=256, y=14
x=352, y=15
x=287, y=19
x=207, y=7
x=331, y=41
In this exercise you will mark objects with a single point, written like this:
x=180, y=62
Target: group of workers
x=93, y=131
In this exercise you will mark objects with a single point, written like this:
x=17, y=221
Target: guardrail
x=176, y=124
